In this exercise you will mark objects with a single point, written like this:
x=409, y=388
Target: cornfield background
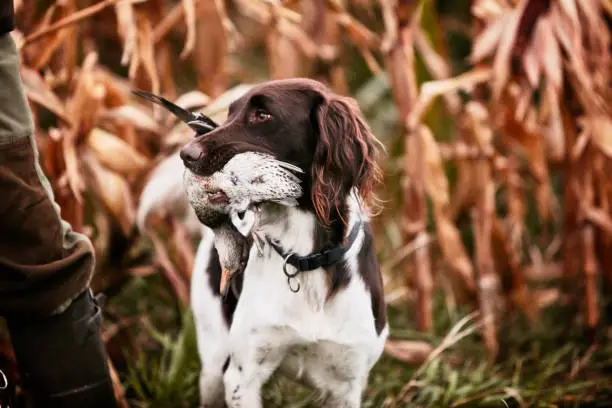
x=496, y=234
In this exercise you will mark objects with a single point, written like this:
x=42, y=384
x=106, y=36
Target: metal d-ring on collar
x=315, y=260
x=290, y=276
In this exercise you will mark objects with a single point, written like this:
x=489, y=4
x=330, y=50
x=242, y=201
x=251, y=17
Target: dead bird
x=234, y=193
x=253, y=177
x=227, y=200
x=232, y=247
x=249, y=179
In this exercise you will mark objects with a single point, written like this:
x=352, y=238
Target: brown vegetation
x=517, y=189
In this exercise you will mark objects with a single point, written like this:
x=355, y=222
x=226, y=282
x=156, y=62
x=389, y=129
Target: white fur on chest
x=323, y=340
x=331, y=344
x=266, y=299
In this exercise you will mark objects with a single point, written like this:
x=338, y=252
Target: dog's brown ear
x=345, y=157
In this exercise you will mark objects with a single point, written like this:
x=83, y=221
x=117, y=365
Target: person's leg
x=45, y=268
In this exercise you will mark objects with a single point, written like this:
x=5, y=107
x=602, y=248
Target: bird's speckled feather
x=253, y=177
x=247, y=179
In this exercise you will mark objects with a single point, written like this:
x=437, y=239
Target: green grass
x=537, y=366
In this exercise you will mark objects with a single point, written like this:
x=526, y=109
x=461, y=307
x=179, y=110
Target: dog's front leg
x=345, y=396
x=250, y=366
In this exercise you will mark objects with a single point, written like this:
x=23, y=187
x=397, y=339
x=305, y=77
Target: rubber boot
x=62, y=358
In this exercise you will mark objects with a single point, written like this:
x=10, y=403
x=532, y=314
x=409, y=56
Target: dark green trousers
x=44, y=264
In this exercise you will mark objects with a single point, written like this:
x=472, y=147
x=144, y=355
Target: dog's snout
x=191, y=154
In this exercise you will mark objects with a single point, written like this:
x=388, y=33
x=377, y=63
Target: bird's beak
x=199, y=122
x=225, y=278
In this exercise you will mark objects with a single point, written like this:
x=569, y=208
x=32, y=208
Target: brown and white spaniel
x=308, y=301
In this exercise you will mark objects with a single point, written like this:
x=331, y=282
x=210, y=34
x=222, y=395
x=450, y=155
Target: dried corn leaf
x=160, y=195
x=436, y=183
x=491, y=302
x=218, y=108
x=46, y=21
x=453, y=249
x=465, y=189
x=83, y=107
x=436, y=186
x=210, y=56
x=486, y=42
x=526, y=140
x=190, y=23
x=118, y=89
x=113, y=191
x=359, y=34
x=598, y=218
x=69, y=51
x=591, y=265
x=544, y=271
x=543, y=298
x=128, y=114
x=578, y=72
x=38, y=92
x=547, y=49
x=433, y=89
x=570, y=9
x=436, y=64
x=174, y=278
x=554, y=133
x=115, y=154
x=532, y=66
x=234, y=38
x=178, y=136
x=488, y=9
x=102, y=238
x=192, y=100
x=414, y=222
x=146, y=53
x=283, y=60
x=601, y=133
x=169, y=21
x=410, y=352
x=184, y=248
x=50, y=47
x=501, y=62
x=391, y=24
x=126, y=25
x=515, y=201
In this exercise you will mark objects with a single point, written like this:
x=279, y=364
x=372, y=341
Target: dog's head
x=301, y=122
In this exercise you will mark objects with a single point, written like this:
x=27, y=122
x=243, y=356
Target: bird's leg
x=258, y=240
x=225, y=281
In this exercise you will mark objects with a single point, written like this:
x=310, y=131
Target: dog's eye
x=259, y=115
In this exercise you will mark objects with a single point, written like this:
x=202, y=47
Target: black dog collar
x=320, y=259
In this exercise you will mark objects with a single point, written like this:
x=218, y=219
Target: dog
x=310, y=303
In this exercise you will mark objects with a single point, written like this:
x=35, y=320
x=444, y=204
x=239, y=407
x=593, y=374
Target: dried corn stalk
x=98, y=144
x=483, y=218
x=399, y=56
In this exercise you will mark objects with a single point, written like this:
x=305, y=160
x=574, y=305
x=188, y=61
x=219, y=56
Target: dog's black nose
x=191, y=154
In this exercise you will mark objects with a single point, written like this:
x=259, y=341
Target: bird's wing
x=288, y=166
x=245, y=224
x=288, y=202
